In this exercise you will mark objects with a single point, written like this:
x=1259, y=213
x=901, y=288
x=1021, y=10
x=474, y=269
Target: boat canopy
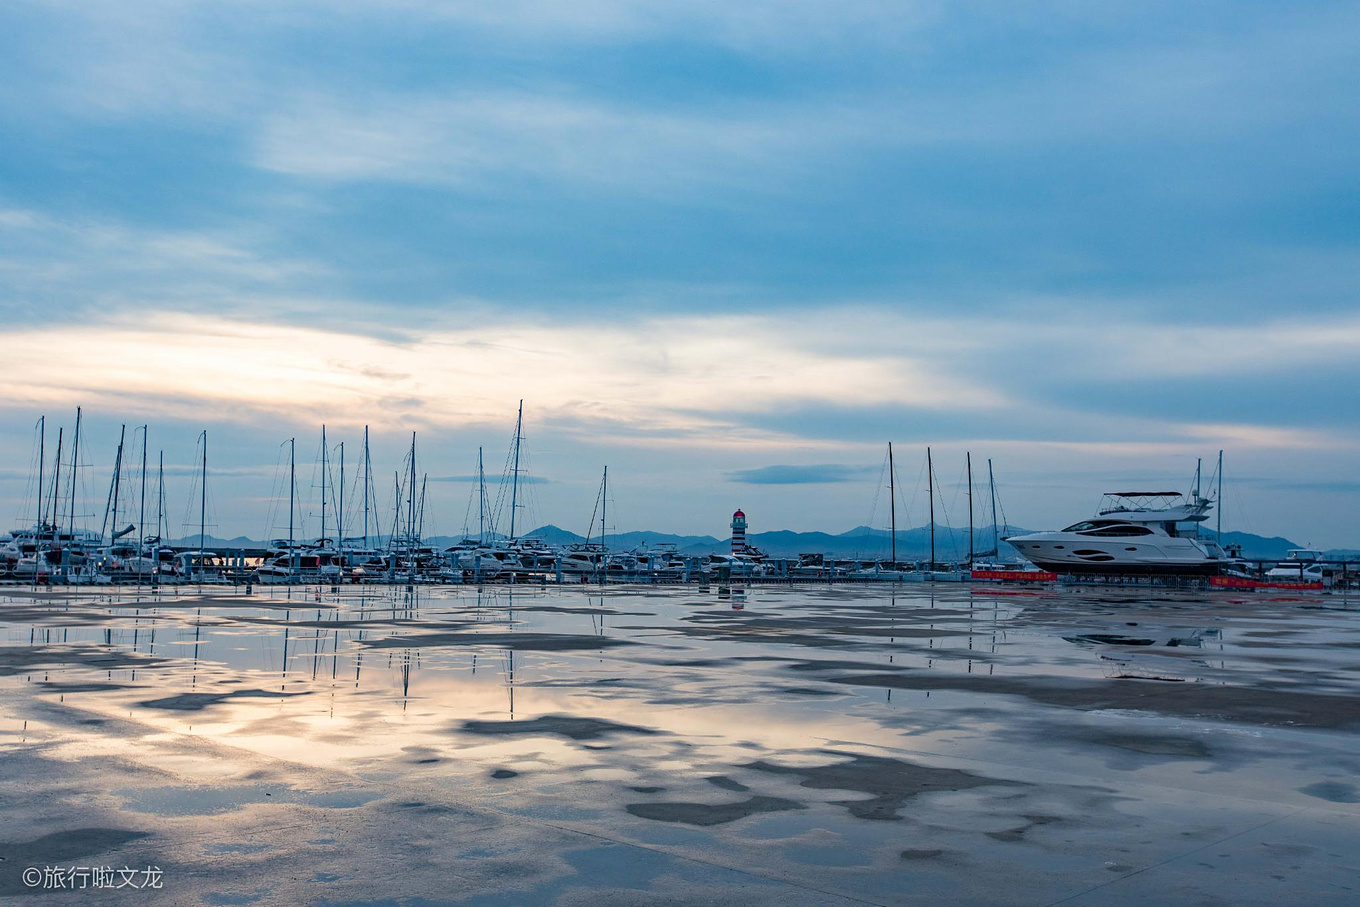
x=1144, y=494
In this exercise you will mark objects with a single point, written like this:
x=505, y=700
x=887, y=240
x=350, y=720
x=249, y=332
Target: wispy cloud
x=800, y=475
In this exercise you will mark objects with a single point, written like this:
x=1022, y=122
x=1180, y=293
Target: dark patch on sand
x=889, y=782
x=1012, y=835
x=1154, y=745
x=921, y=854
x=705, y=814
x=648, y=789
x=727, y=783
x=1332, y=791
x=832, y=664
x=501, y=774
x=1251, y=705
x=193, y=702
x=16, y=660
x=61, y=847
x=811, y=630
x=559, y=725
x=520, y=642
x=93, y=686
x=806, y=691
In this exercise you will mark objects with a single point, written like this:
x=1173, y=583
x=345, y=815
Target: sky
x=728, y=250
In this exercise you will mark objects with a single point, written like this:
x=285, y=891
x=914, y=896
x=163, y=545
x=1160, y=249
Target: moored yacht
x=1133, y=532
x=1300, y=565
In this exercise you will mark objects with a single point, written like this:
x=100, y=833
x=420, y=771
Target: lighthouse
x=738, y=533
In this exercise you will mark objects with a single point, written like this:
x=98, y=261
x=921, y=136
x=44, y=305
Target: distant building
x=738, y=533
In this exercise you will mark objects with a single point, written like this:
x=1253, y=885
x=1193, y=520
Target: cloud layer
x=1093, y=242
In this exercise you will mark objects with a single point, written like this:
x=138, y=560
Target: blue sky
x=730, y=250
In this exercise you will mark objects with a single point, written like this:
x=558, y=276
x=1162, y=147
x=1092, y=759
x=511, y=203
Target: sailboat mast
x=203, y=500
x=996, y=537
x=514, y=483
x=604, y=505
x=56, y=482
x=323, y=484
x=292, y=486
x=75, y=462
x=969, y=455
x=160, y=493
x=481, y=498
x=42, y=455
x=115, y=487
x=411, y=524
x=340, y=520
x=930, y=492
x=1218, y=530
x=368, y=473
x=892, y=502
x=141, y=502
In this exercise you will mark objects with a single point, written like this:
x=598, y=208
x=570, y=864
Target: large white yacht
x=1133, y=532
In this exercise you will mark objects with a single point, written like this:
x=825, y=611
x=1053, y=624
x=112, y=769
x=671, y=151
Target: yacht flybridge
x=1133, y=532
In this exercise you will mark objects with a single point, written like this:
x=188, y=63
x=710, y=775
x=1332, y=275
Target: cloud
x=800, y=475
x=483, y=141
x=491, y=480
x=681, y=378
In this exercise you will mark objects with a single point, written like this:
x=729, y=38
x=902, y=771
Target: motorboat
x=1301, y=565
x=1132, y=532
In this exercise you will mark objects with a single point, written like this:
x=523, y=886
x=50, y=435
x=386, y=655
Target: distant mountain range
x=861, y=542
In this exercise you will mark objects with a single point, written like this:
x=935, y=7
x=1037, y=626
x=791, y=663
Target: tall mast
x=411, y=526
x=114, y=487
x=892, y=502
x=514, y=484
x=1199, y=465
x=141, y=503
x=56, y=483
x=481, y=499
x=203, y=500
x=969, y=454
x=75, y=462
x=930, y=491
x=292, y=487
x=160, y=494
x=1218, y=531
x=42, y=455
x=368, y=474
x=340, y=508
x=604, y=504
x=996, y=538
x=411, y=523
x=323, y=484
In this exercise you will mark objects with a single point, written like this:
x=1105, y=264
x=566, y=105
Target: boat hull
x=1126, y=569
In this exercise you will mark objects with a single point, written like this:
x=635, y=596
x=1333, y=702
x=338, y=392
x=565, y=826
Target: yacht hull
x=1126, y=569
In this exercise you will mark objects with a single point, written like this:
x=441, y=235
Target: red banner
x=1030, y=576
x=1239, y=582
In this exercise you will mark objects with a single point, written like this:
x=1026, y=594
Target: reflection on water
x=810, y=730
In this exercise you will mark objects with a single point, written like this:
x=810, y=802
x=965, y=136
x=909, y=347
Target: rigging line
x=275, y=492
x=595, y=512
x=30, y=489
x=501, y=489
x=878, y=490
x=953, y=542
x=897, y=483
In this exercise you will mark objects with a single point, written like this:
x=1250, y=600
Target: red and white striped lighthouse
x=738, y=533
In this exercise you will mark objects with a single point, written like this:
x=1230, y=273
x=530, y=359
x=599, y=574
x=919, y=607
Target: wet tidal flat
x=642, y=745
